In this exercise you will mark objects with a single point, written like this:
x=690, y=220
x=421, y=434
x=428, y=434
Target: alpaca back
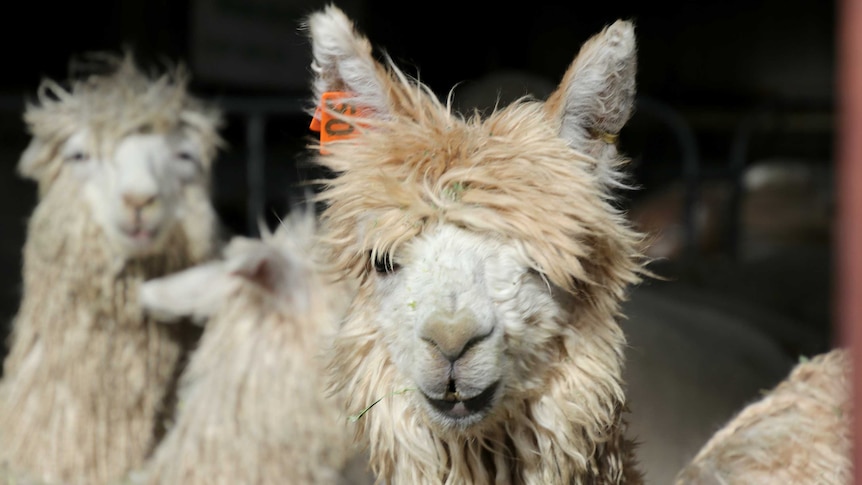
x=798, y=433
x=253, y=406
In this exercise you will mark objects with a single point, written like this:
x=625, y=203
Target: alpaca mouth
x=454, y=406
x=140, y=236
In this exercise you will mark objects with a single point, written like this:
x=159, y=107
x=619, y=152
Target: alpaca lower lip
x=462, y=408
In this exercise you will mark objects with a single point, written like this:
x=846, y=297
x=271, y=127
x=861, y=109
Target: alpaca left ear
x=343, y=63
x=194, y=293
x=596, y=96
x=270, y=269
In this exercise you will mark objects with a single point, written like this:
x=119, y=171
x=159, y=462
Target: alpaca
x=252, y=402
x=492, y=264
x=798, y=433
x=122, y=160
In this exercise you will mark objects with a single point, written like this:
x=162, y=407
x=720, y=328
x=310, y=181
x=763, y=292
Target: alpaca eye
x=188, y=157
x=383, y=264
x=78, y=156
x=191, y=166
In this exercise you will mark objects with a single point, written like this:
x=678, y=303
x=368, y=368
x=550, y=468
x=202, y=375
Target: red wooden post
x=848, y=261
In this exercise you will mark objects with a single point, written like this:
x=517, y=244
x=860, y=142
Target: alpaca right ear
x=596, y=96
x=194, y=293
x=343, y=62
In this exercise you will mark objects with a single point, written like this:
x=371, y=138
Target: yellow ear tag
x=609, y=138
x=327, y=121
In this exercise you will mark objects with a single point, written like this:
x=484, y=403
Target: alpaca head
x=489, y=249
x=127, y=143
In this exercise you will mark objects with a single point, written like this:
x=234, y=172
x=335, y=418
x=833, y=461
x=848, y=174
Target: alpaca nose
x=453, y=334
x=137, y=201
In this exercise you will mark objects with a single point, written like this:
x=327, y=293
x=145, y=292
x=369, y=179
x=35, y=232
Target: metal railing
x=256, y=112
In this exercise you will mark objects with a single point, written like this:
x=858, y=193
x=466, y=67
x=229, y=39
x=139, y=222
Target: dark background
x=713, y=64
x=729, y=53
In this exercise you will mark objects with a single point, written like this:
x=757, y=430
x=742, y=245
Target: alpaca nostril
x=453, y=335
x=138, y=201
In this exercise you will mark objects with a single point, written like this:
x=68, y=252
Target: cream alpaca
x=798, y=433
x=492, y=265
x=122, y=161
x=253, y=408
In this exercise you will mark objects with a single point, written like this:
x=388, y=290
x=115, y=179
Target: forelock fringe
x=109, y=94
x=426, y=164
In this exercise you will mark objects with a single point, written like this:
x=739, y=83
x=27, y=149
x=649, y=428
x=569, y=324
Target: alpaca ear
x=343, y=62
x=256, y=262
x=264, y=265
x=596, y=96
x=194, y=293
x=34, y=159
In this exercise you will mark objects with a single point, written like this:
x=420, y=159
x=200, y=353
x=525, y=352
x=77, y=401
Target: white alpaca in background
x=253, y=408
x=492, y=263
x=123, y=163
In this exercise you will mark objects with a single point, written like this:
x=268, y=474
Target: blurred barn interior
x=731, y=149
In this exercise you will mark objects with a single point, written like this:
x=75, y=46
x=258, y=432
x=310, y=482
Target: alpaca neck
x=87, y=376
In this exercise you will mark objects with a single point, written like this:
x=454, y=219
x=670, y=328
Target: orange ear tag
x=327, y=122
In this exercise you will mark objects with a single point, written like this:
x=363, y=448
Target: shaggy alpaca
x=252, y=403
x=122, y=161
x=798, y=433
x=492, y=264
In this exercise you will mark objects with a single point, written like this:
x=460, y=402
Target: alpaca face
x=463, y=313
x=133, y=148
x=134, y=186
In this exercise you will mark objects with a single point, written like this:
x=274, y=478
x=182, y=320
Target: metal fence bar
x=255, y=170
x=690, y=155
x=736, y=165
x=265, y=105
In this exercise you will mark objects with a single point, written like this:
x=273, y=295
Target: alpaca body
x=253, y=407
x=798, y=433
